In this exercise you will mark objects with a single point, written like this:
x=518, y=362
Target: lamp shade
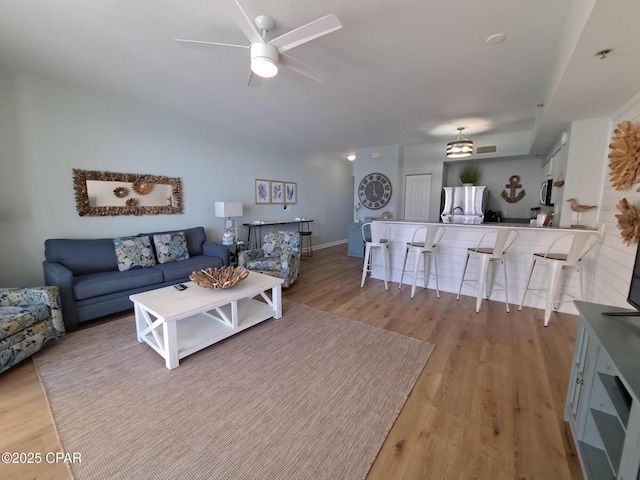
x=460, y=147
x=229, y=209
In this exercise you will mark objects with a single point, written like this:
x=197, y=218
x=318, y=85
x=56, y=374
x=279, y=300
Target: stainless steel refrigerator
x=464, y=204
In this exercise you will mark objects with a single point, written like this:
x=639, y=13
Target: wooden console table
x=257, y=228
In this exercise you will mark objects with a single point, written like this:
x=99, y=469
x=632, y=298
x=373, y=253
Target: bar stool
x=306, y=248
x=423, y=246
x=563, y=258
x=379, y=239
x=485, y=255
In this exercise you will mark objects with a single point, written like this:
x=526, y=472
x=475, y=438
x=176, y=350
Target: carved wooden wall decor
x=628, y=221
x=624, y=157
x=513, y=185
x=109, y=193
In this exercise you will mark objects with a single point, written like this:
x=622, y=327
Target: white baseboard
x=330, y=244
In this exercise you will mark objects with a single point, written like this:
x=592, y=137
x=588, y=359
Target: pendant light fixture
x=461, y=147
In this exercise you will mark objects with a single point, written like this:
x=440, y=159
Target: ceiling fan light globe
x=264, y=60
x=264, y=67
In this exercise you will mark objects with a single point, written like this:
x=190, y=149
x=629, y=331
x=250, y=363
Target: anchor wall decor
x=514, y=183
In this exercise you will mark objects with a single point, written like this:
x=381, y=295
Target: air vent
x=486, y=149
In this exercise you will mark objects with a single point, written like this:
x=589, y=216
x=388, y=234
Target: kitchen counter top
x=494, y=225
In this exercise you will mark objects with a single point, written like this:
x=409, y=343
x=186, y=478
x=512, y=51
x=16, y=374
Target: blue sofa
x=91, y=285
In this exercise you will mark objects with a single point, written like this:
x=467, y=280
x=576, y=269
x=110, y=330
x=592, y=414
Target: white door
x=417, y=197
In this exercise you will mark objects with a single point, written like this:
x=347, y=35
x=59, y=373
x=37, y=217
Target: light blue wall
x=385, y=160
x=47, y=129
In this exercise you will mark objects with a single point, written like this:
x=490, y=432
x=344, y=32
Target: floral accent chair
x=29, y=318
x=278, y=257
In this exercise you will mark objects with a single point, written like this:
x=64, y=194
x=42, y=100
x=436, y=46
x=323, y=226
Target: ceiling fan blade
x=317, y=28
x=200, y=43
x=254, y=80
x=303, y=69
x=246, y=24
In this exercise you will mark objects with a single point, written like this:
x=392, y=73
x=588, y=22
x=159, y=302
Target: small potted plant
x=469, y=174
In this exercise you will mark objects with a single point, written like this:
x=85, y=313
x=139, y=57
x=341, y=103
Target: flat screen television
x=633, y=297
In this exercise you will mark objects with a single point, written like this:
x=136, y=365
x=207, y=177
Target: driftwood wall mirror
x=109, y=193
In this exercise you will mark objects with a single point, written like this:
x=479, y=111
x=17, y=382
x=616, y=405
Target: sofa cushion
x=82, y=256
x=13, y=319
x=171, y=247
x=133, y=252
x=196, y=237
x=180, y=270
x=96, y=284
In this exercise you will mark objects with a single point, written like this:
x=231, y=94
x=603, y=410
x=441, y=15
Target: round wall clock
x=374, y=191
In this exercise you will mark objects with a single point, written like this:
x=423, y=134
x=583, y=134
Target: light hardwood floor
x=488, y=404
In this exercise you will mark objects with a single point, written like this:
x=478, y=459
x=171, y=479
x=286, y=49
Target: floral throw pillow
x=133, y=252
x=171, y=247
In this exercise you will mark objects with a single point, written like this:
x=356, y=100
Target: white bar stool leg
x=385, y=265
x=435, y=263
x=554, y=285
x=464, y=272
x=579, y=265
x=365, y=265
x=416, y=266
x=404, y=266
x=426, y=256
x=506, y=285
x=482, y=279
x=526, y=288
x=489, y=282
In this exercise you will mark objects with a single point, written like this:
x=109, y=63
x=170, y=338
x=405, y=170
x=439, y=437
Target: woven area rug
x=309, y=396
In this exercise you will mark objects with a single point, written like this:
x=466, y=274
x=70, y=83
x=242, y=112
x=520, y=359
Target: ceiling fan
x=266, y=56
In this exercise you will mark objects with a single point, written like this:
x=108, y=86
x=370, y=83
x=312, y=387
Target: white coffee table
x=178, y=323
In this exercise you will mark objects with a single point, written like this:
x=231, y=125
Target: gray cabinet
x=356, y=245
x=602, y=405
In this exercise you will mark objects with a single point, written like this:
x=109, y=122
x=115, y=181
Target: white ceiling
x=402, y=71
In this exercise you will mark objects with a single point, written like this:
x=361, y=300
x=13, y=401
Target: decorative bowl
x=222, y=277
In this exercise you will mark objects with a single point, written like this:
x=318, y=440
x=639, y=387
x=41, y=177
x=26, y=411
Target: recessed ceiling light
x=496, y=39
x=351, y=157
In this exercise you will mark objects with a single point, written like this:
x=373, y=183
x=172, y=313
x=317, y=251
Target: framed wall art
x=290, y=192
x=263, y=191
x=277, y=192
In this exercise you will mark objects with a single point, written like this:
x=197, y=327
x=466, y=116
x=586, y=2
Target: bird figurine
x=579, y=208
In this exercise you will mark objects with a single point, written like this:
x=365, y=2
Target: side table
x=235, y=248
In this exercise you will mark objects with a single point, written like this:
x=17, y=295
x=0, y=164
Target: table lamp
x=228, y=210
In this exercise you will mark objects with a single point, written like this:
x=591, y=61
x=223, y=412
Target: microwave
x=545, y=193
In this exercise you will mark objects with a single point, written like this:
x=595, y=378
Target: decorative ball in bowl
x=221, y=277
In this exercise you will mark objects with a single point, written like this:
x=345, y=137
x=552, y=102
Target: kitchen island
x=452, y=253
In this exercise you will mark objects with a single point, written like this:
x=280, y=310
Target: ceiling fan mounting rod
x=265, y=23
